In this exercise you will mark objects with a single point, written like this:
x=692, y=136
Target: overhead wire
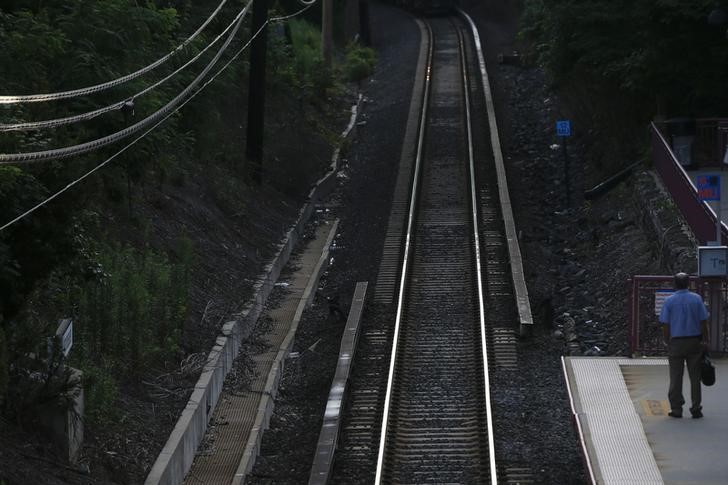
x=36, y=98
x=60, y=153
x=54, y=123
x=155, y=125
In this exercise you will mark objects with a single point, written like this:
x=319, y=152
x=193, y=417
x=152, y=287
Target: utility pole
x=327, y=25
x=256, y=93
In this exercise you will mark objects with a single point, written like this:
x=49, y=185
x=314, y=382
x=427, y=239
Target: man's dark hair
x=682, y=281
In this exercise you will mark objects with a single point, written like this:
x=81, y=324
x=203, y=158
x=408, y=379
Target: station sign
x=563, y=128
x=712, y=260
x=708, y=186
x=62, y=341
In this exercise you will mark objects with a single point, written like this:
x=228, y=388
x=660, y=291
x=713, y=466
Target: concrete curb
x=267, y=400
x=520, y=290
x=329, y=437
x=175, y=459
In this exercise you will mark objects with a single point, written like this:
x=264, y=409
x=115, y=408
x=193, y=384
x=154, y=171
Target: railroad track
x=453, y=313
x=437, y=424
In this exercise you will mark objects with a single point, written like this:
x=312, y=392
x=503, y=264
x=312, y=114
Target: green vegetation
x=130, y=315
x=92, y=254
x=128, y=302
x=360, y=62
x=127, y=306
x=620, y=64
x=308, y=64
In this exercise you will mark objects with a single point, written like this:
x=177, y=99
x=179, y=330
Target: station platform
x=620, y=410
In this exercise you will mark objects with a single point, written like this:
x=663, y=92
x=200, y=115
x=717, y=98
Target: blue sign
x=563, y=128
x=708, y=187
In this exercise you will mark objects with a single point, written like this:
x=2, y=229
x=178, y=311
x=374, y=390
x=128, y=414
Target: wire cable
x=152, y=128
x=54, y=123
x=308, y=4
x=59, y=153
x=36, y=98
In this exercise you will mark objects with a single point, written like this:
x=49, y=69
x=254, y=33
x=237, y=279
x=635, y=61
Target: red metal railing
x=711, y=137
x=699, y=216
x=645, y=334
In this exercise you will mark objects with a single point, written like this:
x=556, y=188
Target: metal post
x=718, y=216
x=567, y=187
x=256, y=92
x=631, y=315
x=715, y=291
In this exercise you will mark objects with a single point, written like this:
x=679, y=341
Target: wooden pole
x=327, y=37
x=364, y=32
x=256, y=93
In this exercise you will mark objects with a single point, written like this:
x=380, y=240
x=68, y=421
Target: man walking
x=685, y=328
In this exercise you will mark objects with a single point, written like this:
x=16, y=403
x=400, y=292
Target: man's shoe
x=674, y=414
x=697, y=414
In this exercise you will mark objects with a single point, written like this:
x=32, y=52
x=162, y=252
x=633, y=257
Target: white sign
x=64, y=334
x=660, y=297
x=712, y=260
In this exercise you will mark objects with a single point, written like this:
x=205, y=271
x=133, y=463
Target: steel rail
x=407, y=248
x=478, y=265
x=36, y=98
x=406, y=259
x=514, y=251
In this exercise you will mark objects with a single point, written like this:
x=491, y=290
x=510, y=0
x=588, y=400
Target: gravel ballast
x=577, y=259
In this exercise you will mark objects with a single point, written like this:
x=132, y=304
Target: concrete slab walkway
x=242, y=417
x=620, y=408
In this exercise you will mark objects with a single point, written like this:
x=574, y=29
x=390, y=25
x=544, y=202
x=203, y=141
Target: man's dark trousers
x=687, y=350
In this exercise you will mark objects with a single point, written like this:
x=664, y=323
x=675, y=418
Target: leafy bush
x=307, y=60
x=662, y=54
x=360, y=62
x=617, y=65
x=100, y=393
x=129, y=317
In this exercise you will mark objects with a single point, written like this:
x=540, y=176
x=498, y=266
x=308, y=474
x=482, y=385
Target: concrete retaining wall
x=175, y=459
x=328, y=441
x=520, y=290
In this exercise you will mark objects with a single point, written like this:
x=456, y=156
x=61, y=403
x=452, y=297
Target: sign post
x=708, y=186
x=563, y=131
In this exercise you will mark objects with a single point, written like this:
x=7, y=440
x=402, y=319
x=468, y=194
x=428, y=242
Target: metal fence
x=709, y=145
x=646, y=294
x=699, y=216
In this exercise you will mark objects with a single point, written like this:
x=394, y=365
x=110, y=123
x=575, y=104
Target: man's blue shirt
x=683, y=311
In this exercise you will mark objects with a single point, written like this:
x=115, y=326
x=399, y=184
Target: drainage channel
x=236, y=422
